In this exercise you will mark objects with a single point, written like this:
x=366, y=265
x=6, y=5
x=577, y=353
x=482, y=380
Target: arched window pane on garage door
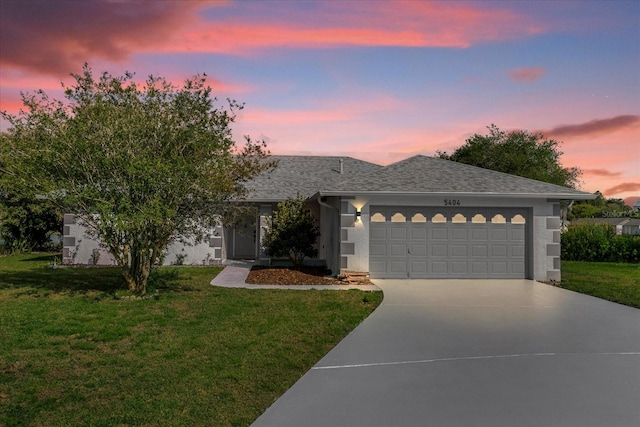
x=418, y=218
x=479, y=219
x=439, y=219
x=498, y=219
x=398, y=217
x=459, y=219
x=518, y=219
x=378, y=217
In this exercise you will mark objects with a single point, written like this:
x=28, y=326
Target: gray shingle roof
x=305, y=175
x=611, y=221
x=424, y=175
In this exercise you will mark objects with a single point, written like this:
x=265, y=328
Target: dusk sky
x=375, y=80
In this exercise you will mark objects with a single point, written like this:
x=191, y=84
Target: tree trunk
x=137, y=272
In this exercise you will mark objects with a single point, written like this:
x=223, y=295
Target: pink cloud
x=596, y=127
x=526, y=75
x=625, y=187
x=56, y=37
x=601, y=172
x=31, y=35
x=337, y=24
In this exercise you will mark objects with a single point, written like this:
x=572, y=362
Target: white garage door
x=447, y=242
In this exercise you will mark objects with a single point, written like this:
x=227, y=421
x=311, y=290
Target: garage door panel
x=397, y=233
x=517, y=234
x=419, y=248
x=439, y=250
x=439, y=267
x=418, y=267
x=377, y=266
x=499, y=267
x=479, y=251
x=378, y=233
x=459, y=267
x=498, y=251
x=397, y=250
x=378, y=249
x=398, y=266
x=499, y=234
x=479, y=234
x=438, y=232
x=459, y=251
x=460, y=234
x=419, y=233
x=480, y=267
x=518, y=267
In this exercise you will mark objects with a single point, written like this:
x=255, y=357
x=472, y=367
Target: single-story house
x=422, y=217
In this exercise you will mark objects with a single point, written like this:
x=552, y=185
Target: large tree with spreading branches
x=519, y=152
x=141, y=164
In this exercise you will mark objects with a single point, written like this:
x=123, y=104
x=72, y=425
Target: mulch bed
x=261, y=275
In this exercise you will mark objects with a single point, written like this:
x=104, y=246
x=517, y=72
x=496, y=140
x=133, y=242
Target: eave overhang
x=556, y=196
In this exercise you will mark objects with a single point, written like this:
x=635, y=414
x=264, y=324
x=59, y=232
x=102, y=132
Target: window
x=438, y=219
x=518, y=219
x=398, y=217
x=498, y=219
x=378, y=217
x=418, y=218
x=459, y=219
x=478, y=219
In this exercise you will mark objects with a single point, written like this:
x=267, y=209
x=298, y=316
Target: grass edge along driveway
x=72, y=354
x=611, y=281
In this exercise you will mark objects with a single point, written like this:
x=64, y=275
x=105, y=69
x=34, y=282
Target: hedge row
x=599, y=242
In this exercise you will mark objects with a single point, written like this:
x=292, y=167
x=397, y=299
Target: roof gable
x=305, y=175
x=423, y=175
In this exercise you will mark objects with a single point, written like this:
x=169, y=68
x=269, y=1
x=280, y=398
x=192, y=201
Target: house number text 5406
x=452, y=202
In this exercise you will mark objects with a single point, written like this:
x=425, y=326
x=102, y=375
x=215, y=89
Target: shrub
x=292, y=232
x=598, y=243
x=625, y=248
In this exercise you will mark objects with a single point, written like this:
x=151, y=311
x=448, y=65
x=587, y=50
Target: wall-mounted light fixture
x=358, y=214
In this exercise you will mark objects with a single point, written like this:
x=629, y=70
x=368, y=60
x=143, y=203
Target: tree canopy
x=517, y=152
x=600, y=207
x=141, y=164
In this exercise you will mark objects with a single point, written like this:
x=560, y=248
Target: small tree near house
x=292, y=232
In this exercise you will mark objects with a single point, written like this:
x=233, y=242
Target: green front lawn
x=614, y=282
x=72, y=354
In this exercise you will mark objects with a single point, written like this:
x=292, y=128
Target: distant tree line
x=600, y=207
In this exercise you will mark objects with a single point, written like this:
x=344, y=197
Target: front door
x=244, y=239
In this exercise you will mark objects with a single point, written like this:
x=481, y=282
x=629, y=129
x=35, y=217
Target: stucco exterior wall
x=81, y=249
x=543, y=239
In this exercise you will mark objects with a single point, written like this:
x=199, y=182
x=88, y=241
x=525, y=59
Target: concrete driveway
x=475, y=353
